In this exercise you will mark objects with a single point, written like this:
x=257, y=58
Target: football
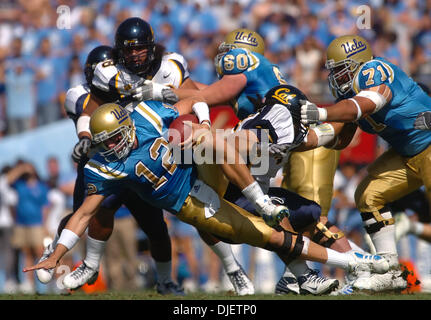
x=178, y=131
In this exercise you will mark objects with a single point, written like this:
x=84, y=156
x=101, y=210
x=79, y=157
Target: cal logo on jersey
x=91, y=188
x=283, y=95
x=353, y=48
x=120, y=115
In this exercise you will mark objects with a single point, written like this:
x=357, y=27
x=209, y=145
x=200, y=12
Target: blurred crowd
x=43, y=47
x=44, y=43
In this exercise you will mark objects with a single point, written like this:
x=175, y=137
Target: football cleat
x=392, y=280
x=347, y=289
x=169, y=287
x=271, y=213
x=241, y=283
x=312, y=283
x=83, y=274
x=287, y=284
x=365, y=263
x=45, y=275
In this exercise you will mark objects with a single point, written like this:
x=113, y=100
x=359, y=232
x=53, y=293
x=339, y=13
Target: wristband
x=325, y=133
x=83, y=124
x=202, y=111
x=68, y=238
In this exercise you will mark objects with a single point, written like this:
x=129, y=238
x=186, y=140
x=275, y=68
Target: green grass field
x=153, y=295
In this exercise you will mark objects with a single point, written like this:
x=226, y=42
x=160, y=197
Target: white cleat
x=366, y=263
x=312, y=283
x=272, y=214
x=241, y=283
x=392, y=280
x=80, y=276
x=45, y=275
x=402, y=225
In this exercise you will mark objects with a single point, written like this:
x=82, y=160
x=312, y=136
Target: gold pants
x=391, y=177
x=230, y=222
x=311, y=175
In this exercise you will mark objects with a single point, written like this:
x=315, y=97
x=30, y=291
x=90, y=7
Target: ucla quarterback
x=77, y=99
x=134, y=154
x=381, y=99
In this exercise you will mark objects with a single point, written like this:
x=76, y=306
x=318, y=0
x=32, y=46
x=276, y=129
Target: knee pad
x=286, y=250
x=323, y=231
x=374, y=221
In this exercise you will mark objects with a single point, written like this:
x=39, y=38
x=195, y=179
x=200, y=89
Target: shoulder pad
x=237, y=61
x=371, y=74
x=103, y=73
x=75, y=99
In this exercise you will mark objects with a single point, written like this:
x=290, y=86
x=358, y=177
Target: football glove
x=310, y=113
x=81, y=149
x=150, y=90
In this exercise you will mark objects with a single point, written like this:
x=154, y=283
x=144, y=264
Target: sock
x=164, y=271
x=337, y=259
x=384, y=239
x=417, y=228
x=252, y=192
x=95, y=250
x=224, y=252
x=298, y=267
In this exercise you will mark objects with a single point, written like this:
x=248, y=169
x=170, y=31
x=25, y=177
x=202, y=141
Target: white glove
x=149, y=90
x=423, y=121
x=271, y=213
x=279, y=151
x=310, y=113
x=81, y=149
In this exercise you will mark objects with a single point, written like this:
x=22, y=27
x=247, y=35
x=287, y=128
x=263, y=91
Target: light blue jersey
x=261, y=75
x=148, y=169
x=394, y=122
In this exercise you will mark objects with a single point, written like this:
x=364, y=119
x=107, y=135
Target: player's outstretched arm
x=363, y=104
x=70, y=235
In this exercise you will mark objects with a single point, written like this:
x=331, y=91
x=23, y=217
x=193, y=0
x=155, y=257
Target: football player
x=100, y=229
x=133, y=154
x=141, y=70
x=245, y=74
x=381, y=99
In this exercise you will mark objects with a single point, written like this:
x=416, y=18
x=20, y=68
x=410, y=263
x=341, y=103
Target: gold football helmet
x=241, y=38
x=343, y=57
x=113, y=131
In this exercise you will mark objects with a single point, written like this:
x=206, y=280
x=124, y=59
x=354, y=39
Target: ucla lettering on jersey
x=394, y=122
x=149, y=170
x=76, y=101
x=261, y=75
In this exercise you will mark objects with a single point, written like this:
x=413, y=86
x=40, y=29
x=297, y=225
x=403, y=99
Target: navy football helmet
x=98, y=54
x=135, y=33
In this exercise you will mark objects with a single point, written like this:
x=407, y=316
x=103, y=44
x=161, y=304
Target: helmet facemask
x=140, y=62
x=122, y=137
x=341, y=76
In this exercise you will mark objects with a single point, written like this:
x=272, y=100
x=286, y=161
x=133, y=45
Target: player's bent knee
x=324, y=236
